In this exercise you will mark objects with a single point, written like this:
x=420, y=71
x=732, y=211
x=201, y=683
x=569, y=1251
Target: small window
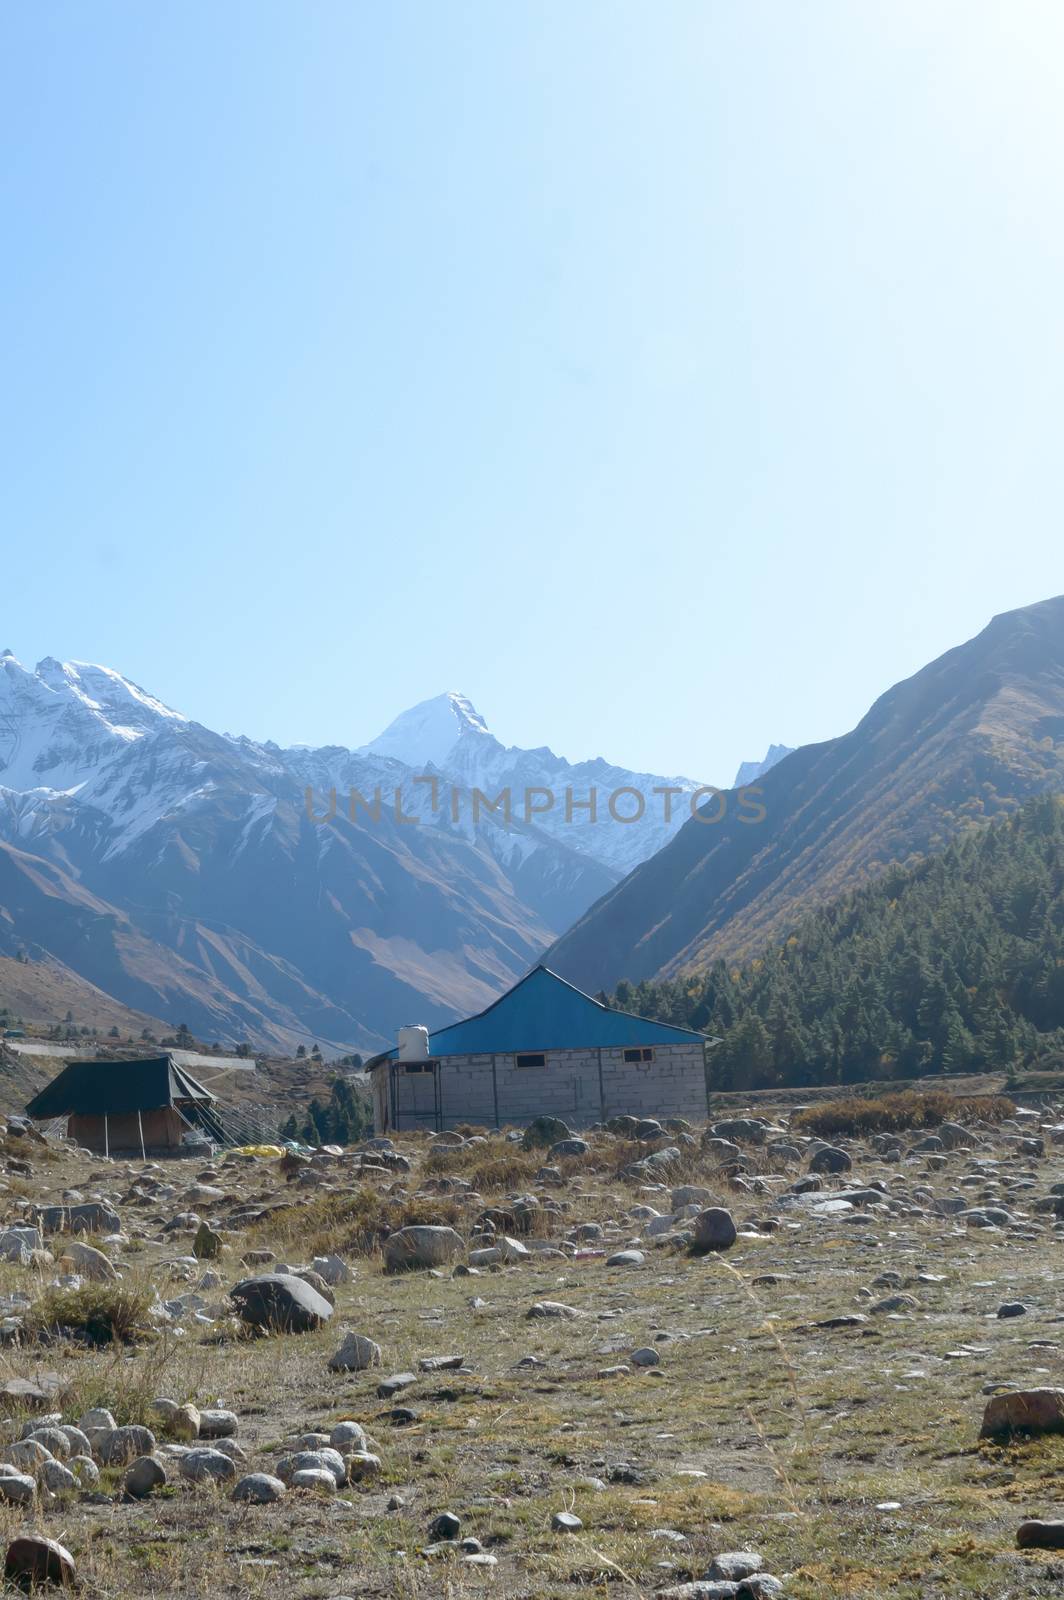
x=639, y=1055
x=534, y=1058
x=418, y=1066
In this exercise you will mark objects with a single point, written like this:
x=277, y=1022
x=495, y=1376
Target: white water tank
x=413, y=1044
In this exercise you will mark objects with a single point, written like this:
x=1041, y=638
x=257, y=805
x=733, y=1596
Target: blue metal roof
x=543, y=1012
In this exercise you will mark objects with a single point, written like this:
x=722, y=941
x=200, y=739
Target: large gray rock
x=324, y=1460
x=542, y=1132
x=203, y=1463
x=259, y=1489
x=829, y=1158
x=142, y=1476
x=88, y=1262
x=277, y=1302
x=1024, y=1411
x=747, y=1128
x=18, y=1244
x=92, y=1216
x=33, y=1560
x=17, y=1488
x=713, y=1229
x=122, y=1445
x=422, y=1246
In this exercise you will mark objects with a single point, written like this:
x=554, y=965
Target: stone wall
x=580, y=1086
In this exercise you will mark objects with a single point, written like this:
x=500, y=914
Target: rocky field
x=739, y=1361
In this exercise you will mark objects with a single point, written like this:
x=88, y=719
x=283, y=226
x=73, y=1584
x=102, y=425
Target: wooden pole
x=140, y=1125
x=106, y=1136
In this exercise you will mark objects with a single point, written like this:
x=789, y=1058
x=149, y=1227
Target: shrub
x=893, y=1112
x=96, y=1314
x=355, y=1223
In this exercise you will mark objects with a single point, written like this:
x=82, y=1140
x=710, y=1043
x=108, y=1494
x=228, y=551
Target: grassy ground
x=757, y=1428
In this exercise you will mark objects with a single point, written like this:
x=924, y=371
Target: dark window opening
x=417, y=1066
x=532, y=1058
x=639, y=1055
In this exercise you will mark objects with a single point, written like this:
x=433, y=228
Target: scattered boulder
x=1023, y=1411
x=123, y=1445
x=277, y=1302
x=421, y=1245
x=829, y=1158
x=543, y=1132
x=88, y=1262
x=90, y=1217
x=18, y=1488
x=142, y=1476
x=714, y=1229
x=1034, y=1534
x=259, y=1489
x=204, y=1463
x=207, y=1245
x=355, y=1354
x=32, y=1560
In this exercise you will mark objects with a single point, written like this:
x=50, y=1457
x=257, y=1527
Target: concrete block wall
x=574, y=1085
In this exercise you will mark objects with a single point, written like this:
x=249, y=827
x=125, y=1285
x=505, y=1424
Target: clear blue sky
x=671, y=378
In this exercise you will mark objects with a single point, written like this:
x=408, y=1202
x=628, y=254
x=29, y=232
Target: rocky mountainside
x=750, y=771
x=278, y=895
x=966, y=739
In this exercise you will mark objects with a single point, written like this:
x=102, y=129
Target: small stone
x=332, y=1269
x=626, y=1258
x=388, y=1388
x=1012, y=1308
x=355, y=1354
x=734, y=1565
x=565, y=1522
x=645, y=1357
x=362, y=1464
x=445, y=1526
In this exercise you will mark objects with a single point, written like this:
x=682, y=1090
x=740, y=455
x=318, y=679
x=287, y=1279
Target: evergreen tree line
x=953, y=965
x=343, y=1119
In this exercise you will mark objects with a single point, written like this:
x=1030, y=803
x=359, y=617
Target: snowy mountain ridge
x=288, y=895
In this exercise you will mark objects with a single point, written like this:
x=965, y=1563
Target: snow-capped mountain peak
x=63, y=723
x=120, y=701
x=428, y=732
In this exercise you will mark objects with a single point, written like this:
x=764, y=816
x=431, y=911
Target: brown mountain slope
x=44, y=991
x=967, y=738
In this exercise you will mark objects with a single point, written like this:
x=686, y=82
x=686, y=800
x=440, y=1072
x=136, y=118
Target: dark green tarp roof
x=111, y=1088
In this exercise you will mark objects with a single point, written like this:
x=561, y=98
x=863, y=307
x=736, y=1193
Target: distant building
x=126, y=1108
x=544, y=1048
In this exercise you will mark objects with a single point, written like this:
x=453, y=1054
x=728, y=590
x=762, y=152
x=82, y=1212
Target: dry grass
x=892, y=1113
x=94, y=1313
x=797, y=1433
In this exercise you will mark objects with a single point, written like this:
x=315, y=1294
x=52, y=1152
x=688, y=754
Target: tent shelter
x=126, y=1107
